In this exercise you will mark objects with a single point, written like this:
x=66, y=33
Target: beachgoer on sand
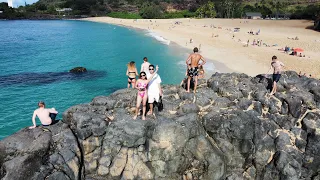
x=154, y=88
x=195, y=57
x=46, y=116
x=145, y=65
x=142, y=95
x=132, y=73
x=277, y=70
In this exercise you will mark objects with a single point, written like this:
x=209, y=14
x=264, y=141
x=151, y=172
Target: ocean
x=37, y=55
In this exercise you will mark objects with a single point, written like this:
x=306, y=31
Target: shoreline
x=229, y=51
x=218, y=66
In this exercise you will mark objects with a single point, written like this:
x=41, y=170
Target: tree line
x=152, y=9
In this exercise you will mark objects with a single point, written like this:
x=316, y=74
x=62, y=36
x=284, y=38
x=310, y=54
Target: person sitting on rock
x=201, y=72
x=142, y=96
x=184, y=82
x=46, y=116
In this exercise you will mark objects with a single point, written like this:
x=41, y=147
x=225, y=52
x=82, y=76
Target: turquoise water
x=36, y=56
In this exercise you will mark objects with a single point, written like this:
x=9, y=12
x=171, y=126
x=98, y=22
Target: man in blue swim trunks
x=277, y=70
x=195, y=57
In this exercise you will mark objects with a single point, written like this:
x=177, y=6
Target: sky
x=17, y=3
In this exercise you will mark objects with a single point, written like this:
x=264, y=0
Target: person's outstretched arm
x=187, y=61
x=268, y=71
x=203, y=60
x=150, y=78
x=53, y=110
x=33, y=120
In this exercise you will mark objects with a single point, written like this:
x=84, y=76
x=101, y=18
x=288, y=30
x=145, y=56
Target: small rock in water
x=78, y=70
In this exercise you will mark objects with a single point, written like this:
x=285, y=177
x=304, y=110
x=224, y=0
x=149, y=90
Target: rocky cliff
x=230, y=129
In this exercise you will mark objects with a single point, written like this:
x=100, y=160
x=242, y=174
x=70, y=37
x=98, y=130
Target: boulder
x=78, y=70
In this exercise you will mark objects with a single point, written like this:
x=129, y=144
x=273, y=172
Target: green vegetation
x=124, y=15
x=8, y=12
x=155, y=9
x=179, y=14
x=150, y=11
x=207, y=10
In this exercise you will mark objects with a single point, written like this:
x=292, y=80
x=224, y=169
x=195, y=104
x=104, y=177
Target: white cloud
x=17, y=3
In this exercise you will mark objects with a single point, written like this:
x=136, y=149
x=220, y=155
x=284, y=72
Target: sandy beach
x=218, y=41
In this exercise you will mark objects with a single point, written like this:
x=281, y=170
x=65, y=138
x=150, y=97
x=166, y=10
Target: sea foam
x=158, y=37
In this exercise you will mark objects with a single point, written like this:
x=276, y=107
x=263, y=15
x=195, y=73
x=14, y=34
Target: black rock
x=78, y=70
x=229, y=129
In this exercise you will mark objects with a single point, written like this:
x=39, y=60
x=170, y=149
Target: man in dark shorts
x=195, y=57
x=45, y=115
x=192, y=72
x=277, y=70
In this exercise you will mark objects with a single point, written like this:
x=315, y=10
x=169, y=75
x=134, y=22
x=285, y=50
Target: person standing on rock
x=277, y=70
x=195, y=57
x=142, y=95
x=145, y=66
x=46, y=116
x=154, y=88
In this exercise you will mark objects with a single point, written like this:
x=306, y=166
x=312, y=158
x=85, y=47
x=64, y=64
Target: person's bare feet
x=149, y=113
x=187, y=91
x=143, y=117
x=135, y=117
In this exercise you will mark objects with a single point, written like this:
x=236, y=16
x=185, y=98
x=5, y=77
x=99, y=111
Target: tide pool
x=36, y=56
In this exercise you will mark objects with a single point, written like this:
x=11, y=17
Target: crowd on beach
x=258, y=42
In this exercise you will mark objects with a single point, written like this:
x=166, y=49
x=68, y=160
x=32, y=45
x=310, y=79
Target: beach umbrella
x=298, y=49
